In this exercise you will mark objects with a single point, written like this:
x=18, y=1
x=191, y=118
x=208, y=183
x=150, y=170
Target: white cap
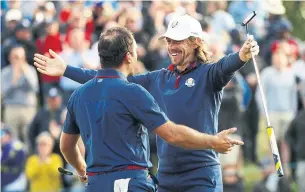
x=183, y=27
x=13, y=15
x=274, y=7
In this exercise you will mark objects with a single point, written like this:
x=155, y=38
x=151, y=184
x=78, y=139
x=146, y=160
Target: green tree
x=295, y=12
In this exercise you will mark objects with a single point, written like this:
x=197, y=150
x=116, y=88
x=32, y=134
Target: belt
x=129, y=167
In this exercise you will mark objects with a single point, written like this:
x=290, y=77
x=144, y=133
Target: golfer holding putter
x=189, y=91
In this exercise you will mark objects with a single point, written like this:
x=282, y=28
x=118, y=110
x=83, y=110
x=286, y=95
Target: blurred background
x=33, y=105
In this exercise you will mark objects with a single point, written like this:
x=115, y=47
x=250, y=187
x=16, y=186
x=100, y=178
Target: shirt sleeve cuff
x=69, y=71
x=238, y=60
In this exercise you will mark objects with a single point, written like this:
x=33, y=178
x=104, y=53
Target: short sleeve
x=144, y=108
x=70, y=125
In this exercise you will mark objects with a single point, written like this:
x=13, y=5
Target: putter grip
x=64, y=171
x=275, y=152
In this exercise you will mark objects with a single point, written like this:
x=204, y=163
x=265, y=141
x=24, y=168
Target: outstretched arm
x=57, y=67
x=222, y=72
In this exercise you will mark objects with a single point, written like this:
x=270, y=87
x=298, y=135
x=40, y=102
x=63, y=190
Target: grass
x=252, y=175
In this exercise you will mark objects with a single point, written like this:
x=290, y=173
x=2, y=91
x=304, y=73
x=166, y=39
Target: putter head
x=249, y=18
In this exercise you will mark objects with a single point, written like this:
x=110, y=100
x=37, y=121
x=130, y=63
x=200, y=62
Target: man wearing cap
x=189, y=91
x=22, y=36
x=13, y=157
x=12, y=17
x=47, y=118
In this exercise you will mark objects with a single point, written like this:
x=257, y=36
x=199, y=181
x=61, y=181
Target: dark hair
x=113, y=45
x=15, y=46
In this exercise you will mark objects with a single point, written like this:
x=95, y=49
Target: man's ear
x=128, y=58
x=196, y=43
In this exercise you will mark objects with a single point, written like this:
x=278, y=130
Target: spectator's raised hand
x=50, y=66
x=224, y=144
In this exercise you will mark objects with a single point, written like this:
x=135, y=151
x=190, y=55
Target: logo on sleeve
x=190, y=82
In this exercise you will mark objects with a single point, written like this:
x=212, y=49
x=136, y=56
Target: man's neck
x=123, y=70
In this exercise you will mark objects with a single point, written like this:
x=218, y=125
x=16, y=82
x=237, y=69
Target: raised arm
x=57, y=67
x=222, y=71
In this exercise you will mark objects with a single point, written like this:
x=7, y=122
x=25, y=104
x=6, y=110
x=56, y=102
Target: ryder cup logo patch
x=174, y=24
x=190, y=82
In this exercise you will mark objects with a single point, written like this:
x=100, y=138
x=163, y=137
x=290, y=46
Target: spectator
x=222, y=22
x=44, y=13
x=22, y=37
x=132, y=19
x=48, y=119
x=275, y=11
x=52, y=40
x=230, y=114
x=236, y=41
x=79, y=18
x=78, y=55
x=41, y=169
x=13, y=156
x=19, y=93
x=241, y=9
x=103, y=12
x=295, y=138
x=299, y=66
x=271, y=182
x=190, y=9
x=278, y=29
x=157, y=54
x=251, y=121
x=12, y=17
x=280, y=90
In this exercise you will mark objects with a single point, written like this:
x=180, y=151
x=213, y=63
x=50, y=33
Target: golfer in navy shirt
x=108, y=112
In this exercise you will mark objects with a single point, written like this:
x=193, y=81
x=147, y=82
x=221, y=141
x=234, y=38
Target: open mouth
x=175, y=54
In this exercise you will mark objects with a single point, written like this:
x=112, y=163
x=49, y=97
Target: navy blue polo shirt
x=109, y=113
x=192, y=98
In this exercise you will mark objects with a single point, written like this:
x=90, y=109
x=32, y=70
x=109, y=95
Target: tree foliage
x=295, y=12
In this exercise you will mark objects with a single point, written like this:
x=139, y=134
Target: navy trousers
x=204, y=179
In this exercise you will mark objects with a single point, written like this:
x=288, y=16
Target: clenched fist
x=249, y=46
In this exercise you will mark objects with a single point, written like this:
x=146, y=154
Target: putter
x=270, y=131
x=67, y=172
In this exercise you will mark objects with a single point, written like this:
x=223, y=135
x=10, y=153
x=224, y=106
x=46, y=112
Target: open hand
x=223, y=143
x=48, y=66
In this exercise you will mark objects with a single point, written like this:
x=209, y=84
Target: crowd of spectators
x=33, y=105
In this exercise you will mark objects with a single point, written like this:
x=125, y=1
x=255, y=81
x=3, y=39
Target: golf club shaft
x=261, y=91
x=270, y=131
